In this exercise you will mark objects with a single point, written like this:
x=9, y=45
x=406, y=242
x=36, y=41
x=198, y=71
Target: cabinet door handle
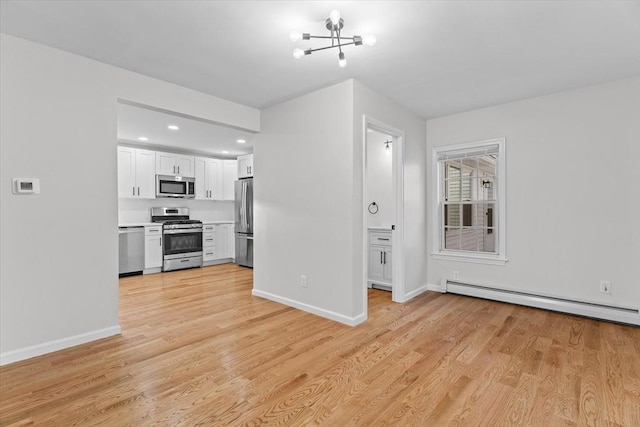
x=380, y=238
x=134, y=190
x=161, y=241
x=138, y=191
x=381, y=258
x=384, y=257
x=178, y=170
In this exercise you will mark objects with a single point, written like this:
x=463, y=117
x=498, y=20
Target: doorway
x=383, y=201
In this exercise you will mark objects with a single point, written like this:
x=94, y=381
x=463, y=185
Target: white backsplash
x=138, y=210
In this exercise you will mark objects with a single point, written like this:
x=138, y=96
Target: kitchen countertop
x=138, y=224
x=379, y=228
x=217, y=222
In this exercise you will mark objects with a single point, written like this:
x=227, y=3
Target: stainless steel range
x=181, y=238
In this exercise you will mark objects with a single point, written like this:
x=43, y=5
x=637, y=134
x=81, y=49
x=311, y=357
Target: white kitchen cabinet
x=380, y=259
x=153, y=247
x=136, y=173
x=208, y=242
x=245, y=166
x=207, y=173
x=174, y=164
x=225, y=242
x=229, y=176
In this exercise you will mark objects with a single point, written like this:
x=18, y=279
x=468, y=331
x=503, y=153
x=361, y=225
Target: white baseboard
x=436, y=288
x=51, y=346
x=328, y=314
x=415, y=293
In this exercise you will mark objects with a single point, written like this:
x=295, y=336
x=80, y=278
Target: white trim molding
x=61, y=344
x=397, y=235
x=328, y=314
x=410, y=295
x=495, y=258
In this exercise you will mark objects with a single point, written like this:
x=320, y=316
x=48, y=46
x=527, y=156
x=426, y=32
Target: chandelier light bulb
x=295, y=36
x=342, y=62
x=334, y=15
x=298, y=53
x=368, y=39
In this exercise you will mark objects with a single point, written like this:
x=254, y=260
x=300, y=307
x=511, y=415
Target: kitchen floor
x=198, y=349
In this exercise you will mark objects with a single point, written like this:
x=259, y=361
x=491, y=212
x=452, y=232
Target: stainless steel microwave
x=175, y=186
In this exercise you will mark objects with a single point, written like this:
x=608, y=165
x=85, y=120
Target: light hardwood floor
x=197, y=349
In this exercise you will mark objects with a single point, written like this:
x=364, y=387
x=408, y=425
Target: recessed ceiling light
x=143, y=138
x=173, y=127
x=225, y=152
x=241, y=141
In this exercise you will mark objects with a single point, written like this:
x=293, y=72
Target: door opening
x=383, y=219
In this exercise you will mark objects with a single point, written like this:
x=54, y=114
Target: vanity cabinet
x=380, y=259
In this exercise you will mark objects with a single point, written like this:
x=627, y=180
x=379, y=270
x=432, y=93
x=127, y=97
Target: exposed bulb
x=295, y=36
x=298, y=53
x=334, y=15
x=368, y=39
x=342, y=62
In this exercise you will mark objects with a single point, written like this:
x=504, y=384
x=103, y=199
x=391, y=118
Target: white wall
x=59, y=250
x=303, y=202
x=379, y=180
x=308, y=199
x=139, y=210
x=573, y=192
x=372, y=104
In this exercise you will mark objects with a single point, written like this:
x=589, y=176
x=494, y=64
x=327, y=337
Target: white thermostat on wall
x=26, y=186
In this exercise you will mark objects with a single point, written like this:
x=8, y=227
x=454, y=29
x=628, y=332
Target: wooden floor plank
x=198, y=349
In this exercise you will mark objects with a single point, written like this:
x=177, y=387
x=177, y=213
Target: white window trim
x=498, y=258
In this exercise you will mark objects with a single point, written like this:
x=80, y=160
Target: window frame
x=499, y=257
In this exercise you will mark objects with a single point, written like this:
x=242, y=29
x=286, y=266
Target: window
x=469, y=205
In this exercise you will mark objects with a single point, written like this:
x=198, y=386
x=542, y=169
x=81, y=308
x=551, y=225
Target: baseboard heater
x=599, y=311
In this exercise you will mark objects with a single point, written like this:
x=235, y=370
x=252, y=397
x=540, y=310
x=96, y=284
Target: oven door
x=177, y=243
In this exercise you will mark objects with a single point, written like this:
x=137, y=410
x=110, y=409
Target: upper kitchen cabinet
x=175, y=164
x=229, y=176
x=245, y=166
x=136, y=173
x=208, y=173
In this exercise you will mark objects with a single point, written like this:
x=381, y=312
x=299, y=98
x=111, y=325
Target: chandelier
x=334, y=24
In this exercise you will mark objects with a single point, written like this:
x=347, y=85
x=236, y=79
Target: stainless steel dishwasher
x=131, y=243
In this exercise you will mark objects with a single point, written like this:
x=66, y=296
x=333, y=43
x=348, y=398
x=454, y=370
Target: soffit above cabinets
x=192, y=136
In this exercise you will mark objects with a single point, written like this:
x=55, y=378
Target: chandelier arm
x=328, y=37
x=329, y=47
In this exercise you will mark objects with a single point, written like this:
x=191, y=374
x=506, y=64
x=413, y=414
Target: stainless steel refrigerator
x=244, y=222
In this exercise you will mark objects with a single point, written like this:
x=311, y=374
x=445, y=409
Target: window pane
x=452, y=215
x=452, y=189
x=466, y=188
x=452, y=238
x=488, y=241
x=469, y=239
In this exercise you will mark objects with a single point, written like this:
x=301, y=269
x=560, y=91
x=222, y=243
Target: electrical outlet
x=456, y=275
x=303, y=281
x=605, y=286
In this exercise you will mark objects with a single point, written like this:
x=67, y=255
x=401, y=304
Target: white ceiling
x=433, y=57
x=192, y=136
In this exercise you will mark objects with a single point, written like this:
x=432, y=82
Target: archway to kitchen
x=383, y=219
x=189, y=166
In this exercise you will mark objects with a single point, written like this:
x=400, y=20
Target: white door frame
x=397, y=235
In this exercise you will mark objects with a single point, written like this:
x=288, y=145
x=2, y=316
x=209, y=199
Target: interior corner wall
x=367, y=102
x=59, y=249
x=573, y=192
x=303, y=203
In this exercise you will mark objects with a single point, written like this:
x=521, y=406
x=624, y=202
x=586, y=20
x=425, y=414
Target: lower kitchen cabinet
x=218, y=244
x=208, y=242
x=152, y=248
x=380, y=256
